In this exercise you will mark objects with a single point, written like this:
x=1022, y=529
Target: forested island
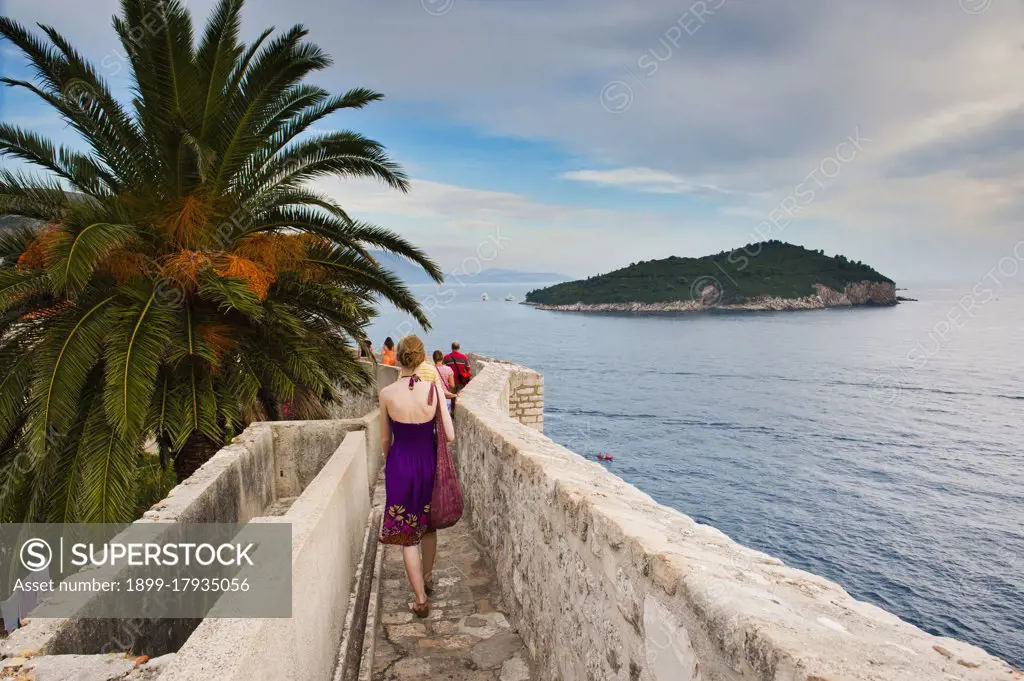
x=770, y=275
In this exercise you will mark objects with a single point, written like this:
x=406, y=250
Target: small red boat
x=605, y=457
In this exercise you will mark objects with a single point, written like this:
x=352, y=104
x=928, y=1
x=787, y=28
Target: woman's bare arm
x=449, y=429
x=385, y=426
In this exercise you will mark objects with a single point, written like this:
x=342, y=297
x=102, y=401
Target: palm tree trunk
x=271, y=407
x=197, y=450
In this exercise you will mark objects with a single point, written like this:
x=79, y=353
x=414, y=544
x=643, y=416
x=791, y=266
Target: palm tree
x=181, y=279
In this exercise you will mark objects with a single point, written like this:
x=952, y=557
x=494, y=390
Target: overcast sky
x=582, y=136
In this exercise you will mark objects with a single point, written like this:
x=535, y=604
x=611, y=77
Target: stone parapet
x=315, y=475
x=605, y=584
x=328, y=522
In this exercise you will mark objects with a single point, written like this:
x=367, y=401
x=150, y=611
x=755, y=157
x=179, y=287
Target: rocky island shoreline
x=864, y=293
x=770, y=276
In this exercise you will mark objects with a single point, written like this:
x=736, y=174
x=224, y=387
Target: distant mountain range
x=406, y=271
x=411, y=274
x=16, y=221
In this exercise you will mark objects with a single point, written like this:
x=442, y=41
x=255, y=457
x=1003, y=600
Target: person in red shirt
x=459, y=364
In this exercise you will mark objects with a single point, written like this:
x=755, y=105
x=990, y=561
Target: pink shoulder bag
x=446, y=502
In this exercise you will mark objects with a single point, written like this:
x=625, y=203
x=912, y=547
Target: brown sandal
x=421, y=610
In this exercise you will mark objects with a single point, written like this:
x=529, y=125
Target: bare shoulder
x=390, y=393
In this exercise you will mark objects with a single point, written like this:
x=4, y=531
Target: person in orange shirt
x=388, y=352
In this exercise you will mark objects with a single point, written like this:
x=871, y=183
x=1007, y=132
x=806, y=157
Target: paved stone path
x=465, y=638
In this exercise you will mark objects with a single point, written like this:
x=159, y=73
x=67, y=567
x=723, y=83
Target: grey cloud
x=750, y=102
x=987, y=151
x=756, y=93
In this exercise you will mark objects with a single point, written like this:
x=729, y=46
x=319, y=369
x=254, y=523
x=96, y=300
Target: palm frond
x=236, y=394
x=61, y=363
x=31, y=197
x=16, y=284
x=191, y=406
x=73, y=88
x=287, y=129
x=139, y=326
x=15, y=379
x=77, y=254
x=81, y=171
x=230, y=294
x=385, y=239
x=216, y=56
x=64, y=465
x=16, y=475
x=109, y=460
x=293, y=101
x=344, y=153
x=349, y=265
x=262, y=206
x=279, y=64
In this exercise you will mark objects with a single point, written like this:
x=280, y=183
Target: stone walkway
x=465, y=638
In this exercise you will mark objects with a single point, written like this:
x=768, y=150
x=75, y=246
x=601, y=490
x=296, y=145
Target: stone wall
x=362, y=407
x=318, y=476
x=267, y=465
x=328, y=524
x=522, y=397
x=605, y=584
x=370, y=420
x=526, y=399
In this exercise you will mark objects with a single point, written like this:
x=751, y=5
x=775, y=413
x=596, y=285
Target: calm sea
x=881, y=448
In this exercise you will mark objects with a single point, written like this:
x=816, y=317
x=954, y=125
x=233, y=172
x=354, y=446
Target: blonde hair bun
x=410, y=352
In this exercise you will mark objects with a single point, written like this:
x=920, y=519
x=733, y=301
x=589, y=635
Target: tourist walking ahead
x=365, y=349
x=460, y=366
x=408, y=409
x=387, y=354
x=446, y=376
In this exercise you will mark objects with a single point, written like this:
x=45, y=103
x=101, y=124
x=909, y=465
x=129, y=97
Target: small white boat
x=510, y=298
x=484, y=297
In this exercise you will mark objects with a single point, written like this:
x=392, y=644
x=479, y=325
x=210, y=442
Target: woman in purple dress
x=407, y=410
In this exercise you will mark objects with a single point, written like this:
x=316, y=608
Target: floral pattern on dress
x=404, y=528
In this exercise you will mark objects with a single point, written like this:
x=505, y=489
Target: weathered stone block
x=77, y=667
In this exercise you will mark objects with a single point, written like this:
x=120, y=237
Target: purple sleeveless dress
x=409, y=482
